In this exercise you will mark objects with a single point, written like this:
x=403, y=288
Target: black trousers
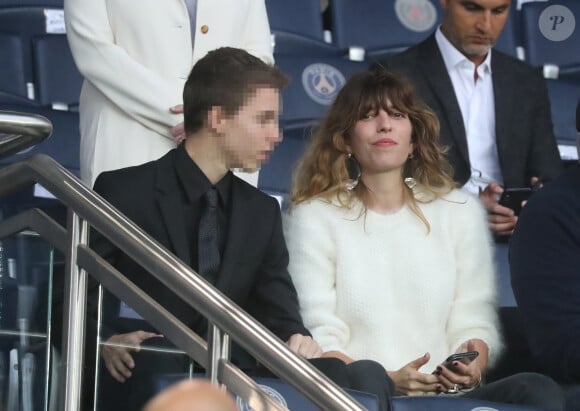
x=366, y=376
x=363, y=375
x=531, y=389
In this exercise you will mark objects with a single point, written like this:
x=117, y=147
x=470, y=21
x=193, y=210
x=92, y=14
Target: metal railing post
x=74, y=315
x=218, y=348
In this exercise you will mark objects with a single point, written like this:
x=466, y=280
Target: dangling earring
x=410, y=181
x=353, y=169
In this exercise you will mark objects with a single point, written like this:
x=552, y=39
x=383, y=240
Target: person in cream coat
x=135, y=56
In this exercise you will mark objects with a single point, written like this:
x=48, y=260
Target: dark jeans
x=531, y=389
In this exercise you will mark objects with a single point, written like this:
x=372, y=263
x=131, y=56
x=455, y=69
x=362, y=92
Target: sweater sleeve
x=474, y=310
x=313, y=270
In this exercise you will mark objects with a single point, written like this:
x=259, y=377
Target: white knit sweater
x=379, y=287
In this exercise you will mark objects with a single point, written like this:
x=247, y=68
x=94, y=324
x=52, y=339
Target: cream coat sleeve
x=313, y=271
x=107, y=53
x=474, y=310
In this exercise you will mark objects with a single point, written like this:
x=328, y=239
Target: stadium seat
x=315, y=81
x=41, y=76
x=431, y=403
x=551, y=38
x=509, y=41
x=57, y=77
x=564, y=96
x=12, y=81
x=296, y=28
x=276, y=174
x=382, y=27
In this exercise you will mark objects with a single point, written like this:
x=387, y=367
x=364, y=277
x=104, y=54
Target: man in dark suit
x=231, y=103
x=493, y=109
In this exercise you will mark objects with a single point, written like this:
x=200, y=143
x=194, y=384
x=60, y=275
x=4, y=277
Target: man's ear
x=215, y=119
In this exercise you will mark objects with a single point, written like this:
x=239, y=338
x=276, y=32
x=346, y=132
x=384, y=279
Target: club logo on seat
x=322, y=82
x=416, y=15
x=271, y=392
x=557, y=23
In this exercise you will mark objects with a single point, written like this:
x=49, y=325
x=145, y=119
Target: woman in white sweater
x=391, y=263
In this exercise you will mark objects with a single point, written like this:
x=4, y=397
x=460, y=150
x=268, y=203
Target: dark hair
x=225, y=77
x=322, y=171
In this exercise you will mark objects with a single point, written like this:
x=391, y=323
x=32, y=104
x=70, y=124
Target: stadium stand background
x=38, y=75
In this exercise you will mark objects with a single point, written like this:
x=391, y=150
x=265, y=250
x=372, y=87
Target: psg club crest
x=416, y=15
x=322, y=82
x=271, y=392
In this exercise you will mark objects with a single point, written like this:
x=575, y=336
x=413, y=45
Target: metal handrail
x=20, y=131
x=177, y=276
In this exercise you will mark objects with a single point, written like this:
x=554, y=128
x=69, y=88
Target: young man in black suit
x=231, y=110
x=494, y=110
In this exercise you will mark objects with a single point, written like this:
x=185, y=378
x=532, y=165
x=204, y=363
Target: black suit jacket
x=254, y=266
x=524, y=132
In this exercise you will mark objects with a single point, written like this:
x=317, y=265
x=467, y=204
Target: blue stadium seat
x=40, y=76
x=452, y=404
x=35, y=3
x=276, y=174
x=551, y=35
x=564, y=96
x=57, y=78
x=382, y=27
x=510, y=41
x=12, y=80
x=297, y=28
x=315, y=81
x=290, y=398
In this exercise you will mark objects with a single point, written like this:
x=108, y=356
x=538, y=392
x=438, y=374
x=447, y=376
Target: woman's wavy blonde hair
x=322, y=171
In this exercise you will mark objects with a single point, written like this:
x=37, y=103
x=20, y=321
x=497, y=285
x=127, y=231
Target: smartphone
x=513, y=198
x=464, y=357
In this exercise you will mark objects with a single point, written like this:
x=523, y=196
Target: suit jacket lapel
x=504, y=103
x=438, y=78
x=171, y=208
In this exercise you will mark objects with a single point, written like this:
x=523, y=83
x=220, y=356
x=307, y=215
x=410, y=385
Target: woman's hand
x=409, y=381
x=465, y=376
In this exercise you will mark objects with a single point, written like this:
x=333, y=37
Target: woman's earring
x=353, y=169
x=410, y=182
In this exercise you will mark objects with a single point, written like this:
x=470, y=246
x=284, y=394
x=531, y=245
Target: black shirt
x=195, y=184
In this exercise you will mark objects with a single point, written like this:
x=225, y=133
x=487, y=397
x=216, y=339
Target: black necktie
x=208, y=256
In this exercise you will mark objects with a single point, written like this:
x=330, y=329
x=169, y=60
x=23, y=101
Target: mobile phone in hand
x=464, y=357
x=513, y=198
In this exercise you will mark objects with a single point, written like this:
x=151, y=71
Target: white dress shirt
x=476, y=101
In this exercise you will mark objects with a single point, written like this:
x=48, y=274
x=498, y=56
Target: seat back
x=430, y=403
x=280, y=391
x=57, y=77
x=551, y=34
x=564, y=96
x=383, y=27
x=315, y=82
x=297, y=29
x=510, y=41
x=40, y=76
x=276, y=175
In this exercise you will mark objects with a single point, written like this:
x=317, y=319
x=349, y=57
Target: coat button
x=204, y=29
